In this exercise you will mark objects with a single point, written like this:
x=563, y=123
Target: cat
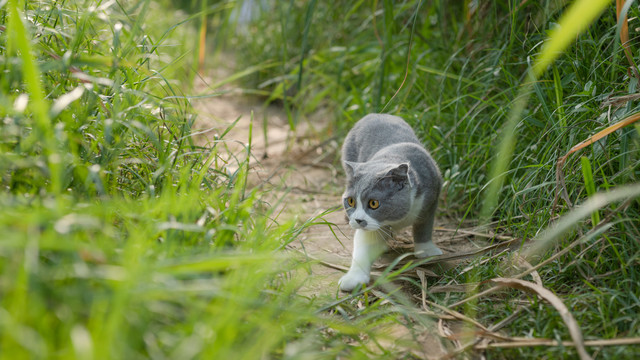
x=392, y=182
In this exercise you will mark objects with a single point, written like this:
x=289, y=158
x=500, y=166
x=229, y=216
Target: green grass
x=119, y=236
x=467, y=79
x=122, y=238
x=118, y=239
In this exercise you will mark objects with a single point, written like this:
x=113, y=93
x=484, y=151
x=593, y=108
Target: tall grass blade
x=603, y=133
x=557, y=83
x=65, y=100
x=37, y=104
x=285, y=59
x=305, y=35
x=385, y=51
x=242, y=74
x=202, y=43
x=590, y=186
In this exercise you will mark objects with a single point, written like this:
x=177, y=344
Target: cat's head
x=377, y=195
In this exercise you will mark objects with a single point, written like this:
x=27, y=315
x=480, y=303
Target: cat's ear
x=400, y=174
x=349, y=168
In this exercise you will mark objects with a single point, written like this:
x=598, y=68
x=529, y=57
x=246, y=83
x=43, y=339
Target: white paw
x=427, y=249
x=352, y=280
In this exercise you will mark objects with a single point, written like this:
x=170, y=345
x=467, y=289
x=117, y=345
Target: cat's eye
x=374, y=204
x=351, y=201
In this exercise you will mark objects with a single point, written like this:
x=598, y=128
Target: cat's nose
x=362, y=222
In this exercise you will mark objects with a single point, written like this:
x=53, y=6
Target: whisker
x=385, y=233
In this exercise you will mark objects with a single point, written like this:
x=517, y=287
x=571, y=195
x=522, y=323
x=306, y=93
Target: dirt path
x=302, y=165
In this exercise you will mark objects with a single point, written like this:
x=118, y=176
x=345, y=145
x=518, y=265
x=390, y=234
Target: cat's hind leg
x=367, y=247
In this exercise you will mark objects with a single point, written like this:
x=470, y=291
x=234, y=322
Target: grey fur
x=384, y=161
x=392, y=182
x=374, y=153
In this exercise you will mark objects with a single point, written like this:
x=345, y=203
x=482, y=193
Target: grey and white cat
x=392, y=182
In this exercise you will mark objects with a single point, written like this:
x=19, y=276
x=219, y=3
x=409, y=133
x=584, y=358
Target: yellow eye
x=374, y=204
x=351, y=201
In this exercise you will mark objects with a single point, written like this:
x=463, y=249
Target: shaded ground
x=300, y=167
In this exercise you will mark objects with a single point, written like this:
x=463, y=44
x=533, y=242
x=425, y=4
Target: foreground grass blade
x=553, y=233
x=44, y=130
x=579, y=16
x=505, y=148
x=30, y=69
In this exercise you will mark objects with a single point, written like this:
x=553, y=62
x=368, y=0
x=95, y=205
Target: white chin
x=370, y=227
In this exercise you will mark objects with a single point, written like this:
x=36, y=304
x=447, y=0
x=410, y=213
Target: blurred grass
x=121, y=240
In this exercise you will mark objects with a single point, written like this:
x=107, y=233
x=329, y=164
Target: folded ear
x=349, y=168
x=400, y=174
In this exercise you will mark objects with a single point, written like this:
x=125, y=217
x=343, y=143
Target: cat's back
x=383, y=127
x=374, y=132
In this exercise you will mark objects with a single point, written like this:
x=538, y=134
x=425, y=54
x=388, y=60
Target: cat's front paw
x=352, y=280
x=427, y=249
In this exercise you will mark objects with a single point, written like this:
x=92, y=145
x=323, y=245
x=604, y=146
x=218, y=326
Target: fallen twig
x=471, y=253
x=619, y=100
x=475, y=233
x=550, y=342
